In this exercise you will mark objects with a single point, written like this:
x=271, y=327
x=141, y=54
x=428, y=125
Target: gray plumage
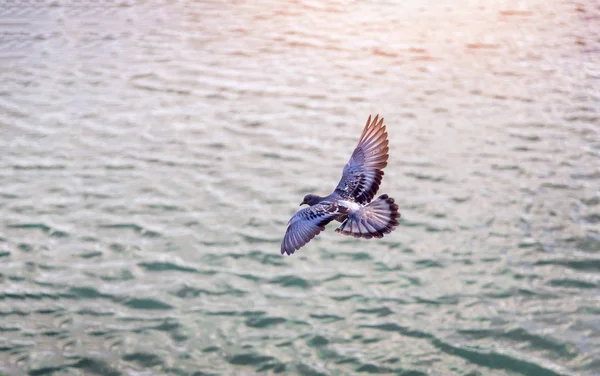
x=352, y=200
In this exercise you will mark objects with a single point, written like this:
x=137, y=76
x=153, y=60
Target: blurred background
x=152, y=152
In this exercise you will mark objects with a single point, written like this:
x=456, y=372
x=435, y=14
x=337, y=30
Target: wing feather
x=308, y=223
x=363, y=173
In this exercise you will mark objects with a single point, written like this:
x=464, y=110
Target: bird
x=351, y=203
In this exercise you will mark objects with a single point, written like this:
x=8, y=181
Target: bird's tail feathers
x=373, y=220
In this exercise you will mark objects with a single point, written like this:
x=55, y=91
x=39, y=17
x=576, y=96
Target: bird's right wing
x=363, y=172
x=308, y=223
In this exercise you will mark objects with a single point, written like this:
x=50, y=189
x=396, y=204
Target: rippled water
x=152, y=153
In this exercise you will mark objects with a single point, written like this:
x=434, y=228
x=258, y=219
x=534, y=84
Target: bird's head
x=311, y=200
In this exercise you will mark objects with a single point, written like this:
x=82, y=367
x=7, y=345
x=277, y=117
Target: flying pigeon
x=352, y=200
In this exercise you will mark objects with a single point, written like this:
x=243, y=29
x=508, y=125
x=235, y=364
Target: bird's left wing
x=308, y=223
x=363, y=172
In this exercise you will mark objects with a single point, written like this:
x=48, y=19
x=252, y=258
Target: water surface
x=152, y=153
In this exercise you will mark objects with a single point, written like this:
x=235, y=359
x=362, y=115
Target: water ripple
x=152, y=155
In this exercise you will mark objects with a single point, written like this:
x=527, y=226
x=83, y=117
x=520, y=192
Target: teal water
x=151, y=154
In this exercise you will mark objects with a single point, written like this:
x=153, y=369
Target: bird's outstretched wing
x=362, y=174
x=308, y=223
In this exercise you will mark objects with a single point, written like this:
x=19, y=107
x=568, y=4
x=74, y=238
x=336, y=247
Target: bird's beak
x=301, y=203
